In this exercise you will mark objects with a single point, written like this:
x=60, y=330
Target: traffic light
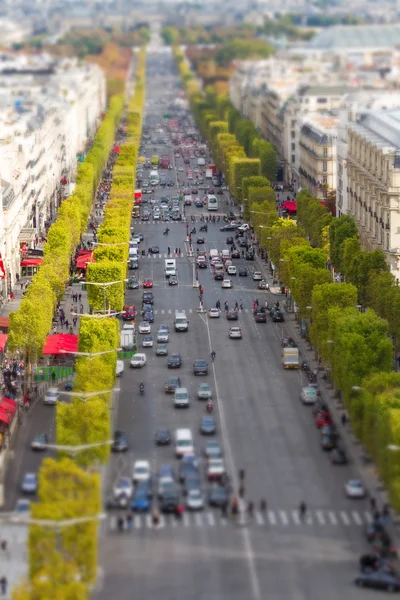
x=201, y=290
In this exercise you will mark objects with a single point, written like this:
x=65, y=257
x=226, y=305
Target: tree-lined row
x=66, y=490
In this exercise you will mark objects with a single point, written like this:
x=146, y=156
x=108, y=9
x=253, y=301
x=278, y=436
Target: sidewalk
x=354, y=449
x=13, y=562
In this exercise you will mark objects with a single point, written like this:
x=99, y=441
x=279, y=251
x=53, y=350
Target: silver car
x=29, y=483
x=162, y=336
x=204, y=392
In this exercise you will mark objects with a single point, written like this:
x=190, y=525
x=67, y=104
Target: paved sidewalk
x=13, y=561
x=355, y=450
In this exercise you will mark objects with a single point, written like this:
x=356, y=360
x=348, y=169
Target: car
x=123, y=487
x=215, y=469
x=232, y=315
x=244, y=227
x=181, y=398
x=166, y=485
x=200, y=240
x=192, y=481
x=218, y=276
x=262, y=285
x=133, y=283
x=200, y=367
x=218, y=496
x=147, y=283
x=169, y=501
x=29, y=483
x=260, y=316
x=173, y=280
x=194, y=500
x=213, y=449
x=147, y=341
x=227, y=283
x=231, y=270
x=214, y=313
x=318, y=407
x=146, y=308
x=187, y=201
x=172, y=383
x=323, y=418
x=51, y=396
x=308, y=395
x=242, y=272
x=163, y=437
x=120, y=443
x=148, y=298
x=257, y=276
x=380, y=579
x=204, y=392
x=189, y=465
x=198, y=203
x=141, y=502
x=235, y=333
x=249, y=255
x=39, y=441
x=174, y=361
x=161, y=350
x=162, y=336
x=148, y=315
x=354, y=488
x=208, y=425
x=138, y=361
x=228, y=227
x=277, y=316
x=288, y=342
x=163, y=327
x=22, y=506
x=328, y=442
x=235, y=254
x=229, y=240
x=154, y=249
x=141, y=471
x=145, y=327
x=338, y=457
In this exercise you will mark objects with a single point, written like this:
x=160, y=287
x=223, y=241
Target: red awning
x=5, y=415
x=83, y=260
x=116, y=149
x=60, y=343
x=8, y=404
x=31, y=262
x=3, y=341
x=290, y=205
x=4, y=322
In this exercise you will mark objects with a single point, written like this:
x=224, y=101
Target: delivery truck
x=290, y=358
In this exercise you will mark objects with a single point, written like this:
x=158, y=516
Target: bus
x=212, y=203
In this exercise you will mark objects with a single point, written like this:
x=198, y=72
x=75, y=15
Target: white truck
x=209, y=174
x=290, y=358
x=181, y=323
x=127, y=339
x=170, y=267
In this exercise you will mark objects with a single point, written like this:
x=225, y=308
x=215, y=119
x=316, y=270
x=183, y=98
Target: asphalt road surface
x=262, y=426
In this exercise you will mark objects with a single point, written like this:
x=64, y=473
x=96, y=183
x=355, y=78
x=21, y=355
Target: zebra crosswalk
x=171, y=311
x=276, y=519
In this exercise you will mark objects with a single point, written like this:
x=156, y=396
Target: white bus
x=212, y=203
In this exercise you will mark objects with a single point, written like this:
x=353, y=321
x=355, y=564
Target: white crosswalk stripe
x=275, y=519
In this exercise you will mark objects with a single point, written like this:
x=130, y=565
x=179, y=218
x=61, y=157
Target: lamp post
x=104, y=286
x=74, y=450
x=87, y=395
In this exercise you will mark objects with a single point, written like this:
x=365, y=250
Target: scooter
x=166, y=231
x=193, y=230
x=209, y=407
x=141, y=389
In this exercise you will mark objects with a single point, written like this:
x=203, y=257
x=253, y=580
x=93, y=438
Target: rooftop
x=344, y=37
x=380, y=128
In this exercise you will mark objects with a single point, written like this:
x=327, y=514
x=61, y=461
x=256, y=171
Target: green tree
x=107, y=297
x=305, y=278
x=242, y=168
x=339, y=230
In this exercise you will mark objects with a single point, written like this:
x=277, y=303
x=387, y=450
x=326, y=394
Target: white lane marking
x=198, y=520
x=368, y=516
x=186, y=520
x=271, y=517
x=137, y=522
x=210, y=519
x=344, y=517
x=255, y=584
x=149, y=522
x=309, y=519
x=172, y=521
x=169, y=312
x=259, y=518
x=190, y=310
x=296, y=517
x=283, y=516
x=162, y=522
x=357, y=517
x=162, y=311
x=320, y=517
x=332, y=517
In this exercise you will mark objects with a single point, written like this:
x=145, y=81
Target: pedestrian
x=213, y=355
x=3, y=585
x=53, y=376
x=75, y=320
x=120, y=523
x=224, y=509
x=302, y=510
x=344, y=419
x=169, y=251
x=67, y=323
x=263, y=505
x=22, y=287
x=80, y=297
x=129, y=522
x=17, y=277
x=81, y=309
x=55, y=330
x=4, y=548
x=176, y=251
x=179, y=251
x=250, y=509
x=372, y=504
x=71, y=331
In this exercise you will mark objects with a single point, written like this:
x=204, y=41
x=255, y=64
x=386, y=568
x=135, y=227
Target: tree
x=107, y=297
x=340, y=229
x=239, y=169
x=259, y=195
x=266, y=153
x=312, y=216
x=254, y=181
x=283, y=229
x=306, y=277
x=325, y=297
x=65, y=492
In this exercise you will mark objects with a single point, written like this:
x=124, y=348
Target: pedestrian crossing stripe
x=276, y=519
x=170, y=311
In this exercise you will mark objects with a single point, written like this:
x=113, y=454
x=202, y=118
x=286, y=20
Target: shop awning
x=61, y=343
x=5, y=415
x=31, y=262
x=27, y=234
x=8, y=404
x=83, y=260
x=3, y=341
x=4, y=322
x=290, y=205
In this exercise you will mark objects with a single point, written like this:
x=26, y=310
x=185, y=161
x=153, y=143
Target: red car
x=323, y=418
x=147, y=283
x=129, y=312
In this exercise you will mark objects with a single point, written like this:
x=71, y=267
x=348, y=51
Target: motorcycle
x=193, y=230
x=209, y=406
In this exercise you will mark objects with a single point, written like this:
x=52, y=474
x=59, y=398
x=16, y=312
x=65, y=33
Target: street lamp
x=87, y=395
x=356, y=388
x=393, y=447
x=90, y=354
x=104, y=286
x=73, y=450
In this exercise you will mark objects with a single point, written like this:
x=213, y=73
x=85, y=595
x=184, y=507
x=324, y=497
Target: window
x=325, y=152
x=294, y=123
x=293, y=147
x=324, y=180
x=322, y=100
x=293, y=135
x=324, y=166
x=325, y=193
x=293, y=158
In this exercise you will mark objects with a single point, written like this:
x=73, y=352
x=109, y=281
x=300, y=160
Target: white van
x=201, y=162
x=213, y=253
x=170, y=267
x=51, y=396
x=181, y=398
x=133, y=252
x=183, y=442
x=181, y=323
x=225, y=254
